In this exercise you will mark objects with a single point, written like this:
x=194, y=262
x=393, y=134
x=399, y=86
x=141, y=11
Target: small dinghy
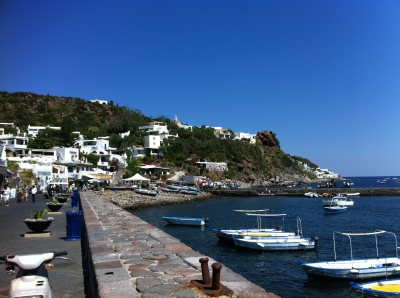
x=186, y=221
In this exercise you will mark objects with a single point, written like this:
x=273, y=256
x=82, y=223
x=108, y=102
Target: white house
x=138, y=151
x=155, y=127
x=103, y=102
x=97, y=145
x=34, y=130
x=221, y=133
x=325, y=174
x=16, y=144
x=212, y=166
x=245, y=135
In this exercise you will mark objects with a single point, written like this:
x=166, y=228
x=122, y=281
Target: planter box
x=62, y=199
x=55, y=207
x=38, y=226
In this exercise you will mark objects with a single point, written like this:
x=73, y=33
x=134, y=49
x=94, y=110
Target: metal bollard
x=216, y=267
x=204, y=270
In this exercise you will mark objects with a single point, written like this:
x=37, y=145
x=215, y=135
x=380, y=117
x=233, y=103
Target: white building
x=138, y=151
x=245, y=135
x=16, y=144
x=155, y=127
x=156, y=134
x=325, y=174
x=103, y=102
x=97, y=145
x=34, y=130
x=221, y=133
x=212, y=166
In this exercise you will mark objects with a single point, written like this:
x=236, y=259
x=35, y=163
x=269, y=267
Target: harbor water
x=278, y=271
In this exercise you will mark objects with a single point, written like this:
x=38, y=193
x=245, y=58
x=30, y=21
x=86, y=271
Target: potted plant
x=37, y=221
x=54, y=205
x=62, y=198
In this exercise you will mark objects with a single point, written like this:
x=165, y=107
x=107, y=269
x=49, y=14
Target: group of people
x=24, y=191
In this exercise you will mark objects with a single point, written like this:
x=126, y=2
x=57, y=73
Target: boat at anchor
x=356, y=269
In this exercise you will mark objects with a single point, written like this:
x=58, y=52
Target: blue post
x=75, y=199
x=74, y=225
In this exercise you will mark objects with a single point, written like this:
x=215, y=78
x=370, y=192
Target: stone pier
x=128, y=257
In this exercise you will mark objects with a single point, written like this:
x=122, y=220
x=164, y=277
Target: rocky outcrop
x=267, y=139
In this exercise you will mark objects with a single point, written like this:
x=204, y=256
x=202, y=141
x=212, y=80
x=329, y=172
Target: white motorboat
x=311, y=194
x=259, y=231
x=335, y=209
x=355, y=269
x=187, y=221
x=338, y=200
x=278, y=241
x=353, y=194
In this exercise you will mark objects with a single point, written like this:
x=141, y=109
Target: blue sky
x=323, y=75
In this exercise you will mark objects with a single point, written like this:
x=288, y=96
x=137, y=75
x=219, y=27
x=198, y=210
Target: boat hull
x=185, y=221
x=381, y=288
x=335, y=209
x=355, y=270
x=276, y=243
x=227, y=234
x=146, y=192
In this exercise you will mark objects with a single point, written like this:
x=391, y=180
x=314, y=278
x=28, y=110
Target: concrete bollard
x=216, y=267
x=204, y=270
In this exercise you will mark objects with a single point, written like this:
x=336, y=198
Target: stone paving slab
x=132, y=258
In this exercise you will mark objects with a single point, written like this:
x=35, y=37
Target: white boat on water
x=259, y=231
x=338, y=200
x=380, y=288
x=311, y=194
x=187, y=221
x=279, y=241
x=355, y=269
x=353, y=194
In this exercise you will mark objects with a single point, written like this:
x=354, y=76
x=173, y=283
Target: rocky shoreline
x=129, y=200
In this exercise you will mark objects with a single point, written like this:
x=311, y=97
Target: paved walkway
x=66, y=278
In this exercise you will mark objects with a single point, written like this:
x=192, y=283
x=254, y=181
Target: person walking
x=26, y=193
x=33, y=193
x=6, y=192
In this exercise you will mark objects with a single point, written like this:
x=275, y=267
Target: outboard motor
x=315, y=238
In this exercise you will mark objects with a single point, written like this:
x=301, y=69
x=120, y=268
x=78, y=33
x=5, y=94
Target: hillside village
x=60, y=165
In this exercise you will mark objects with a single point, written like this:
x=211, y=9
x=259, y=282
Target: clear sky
x=323, y=75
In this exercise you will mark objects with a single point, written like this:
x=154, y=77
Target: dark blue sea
x=279, y=272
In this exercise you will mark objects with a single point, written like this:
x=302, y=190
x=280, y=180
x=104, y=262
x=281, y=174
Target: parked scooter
x=32, y=278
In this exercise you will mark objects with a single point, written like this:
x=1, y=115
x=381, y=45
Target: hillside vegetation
x=251, y=163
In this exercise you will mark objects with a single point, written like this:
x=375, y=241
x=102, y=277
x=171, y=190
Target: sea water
x=279, y=272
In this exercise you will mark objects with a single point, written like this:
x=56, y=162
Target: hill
x=246, y=162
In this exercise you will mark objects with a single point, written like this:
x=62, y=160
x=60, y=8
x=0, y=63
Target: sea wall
x=125, y=256
x=301, y=191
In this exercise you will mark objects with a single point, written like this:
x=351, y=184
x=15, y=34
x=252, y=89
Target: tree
x=66, y=136
x=133, y=167
x=93, y=159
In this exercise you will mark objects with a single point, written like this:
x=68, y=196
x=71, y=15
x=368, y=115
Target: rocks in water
x=131, y=200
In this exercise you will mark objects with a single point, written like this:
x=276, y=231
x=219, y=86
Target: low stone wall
x=301, y=191
x=125, y=256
